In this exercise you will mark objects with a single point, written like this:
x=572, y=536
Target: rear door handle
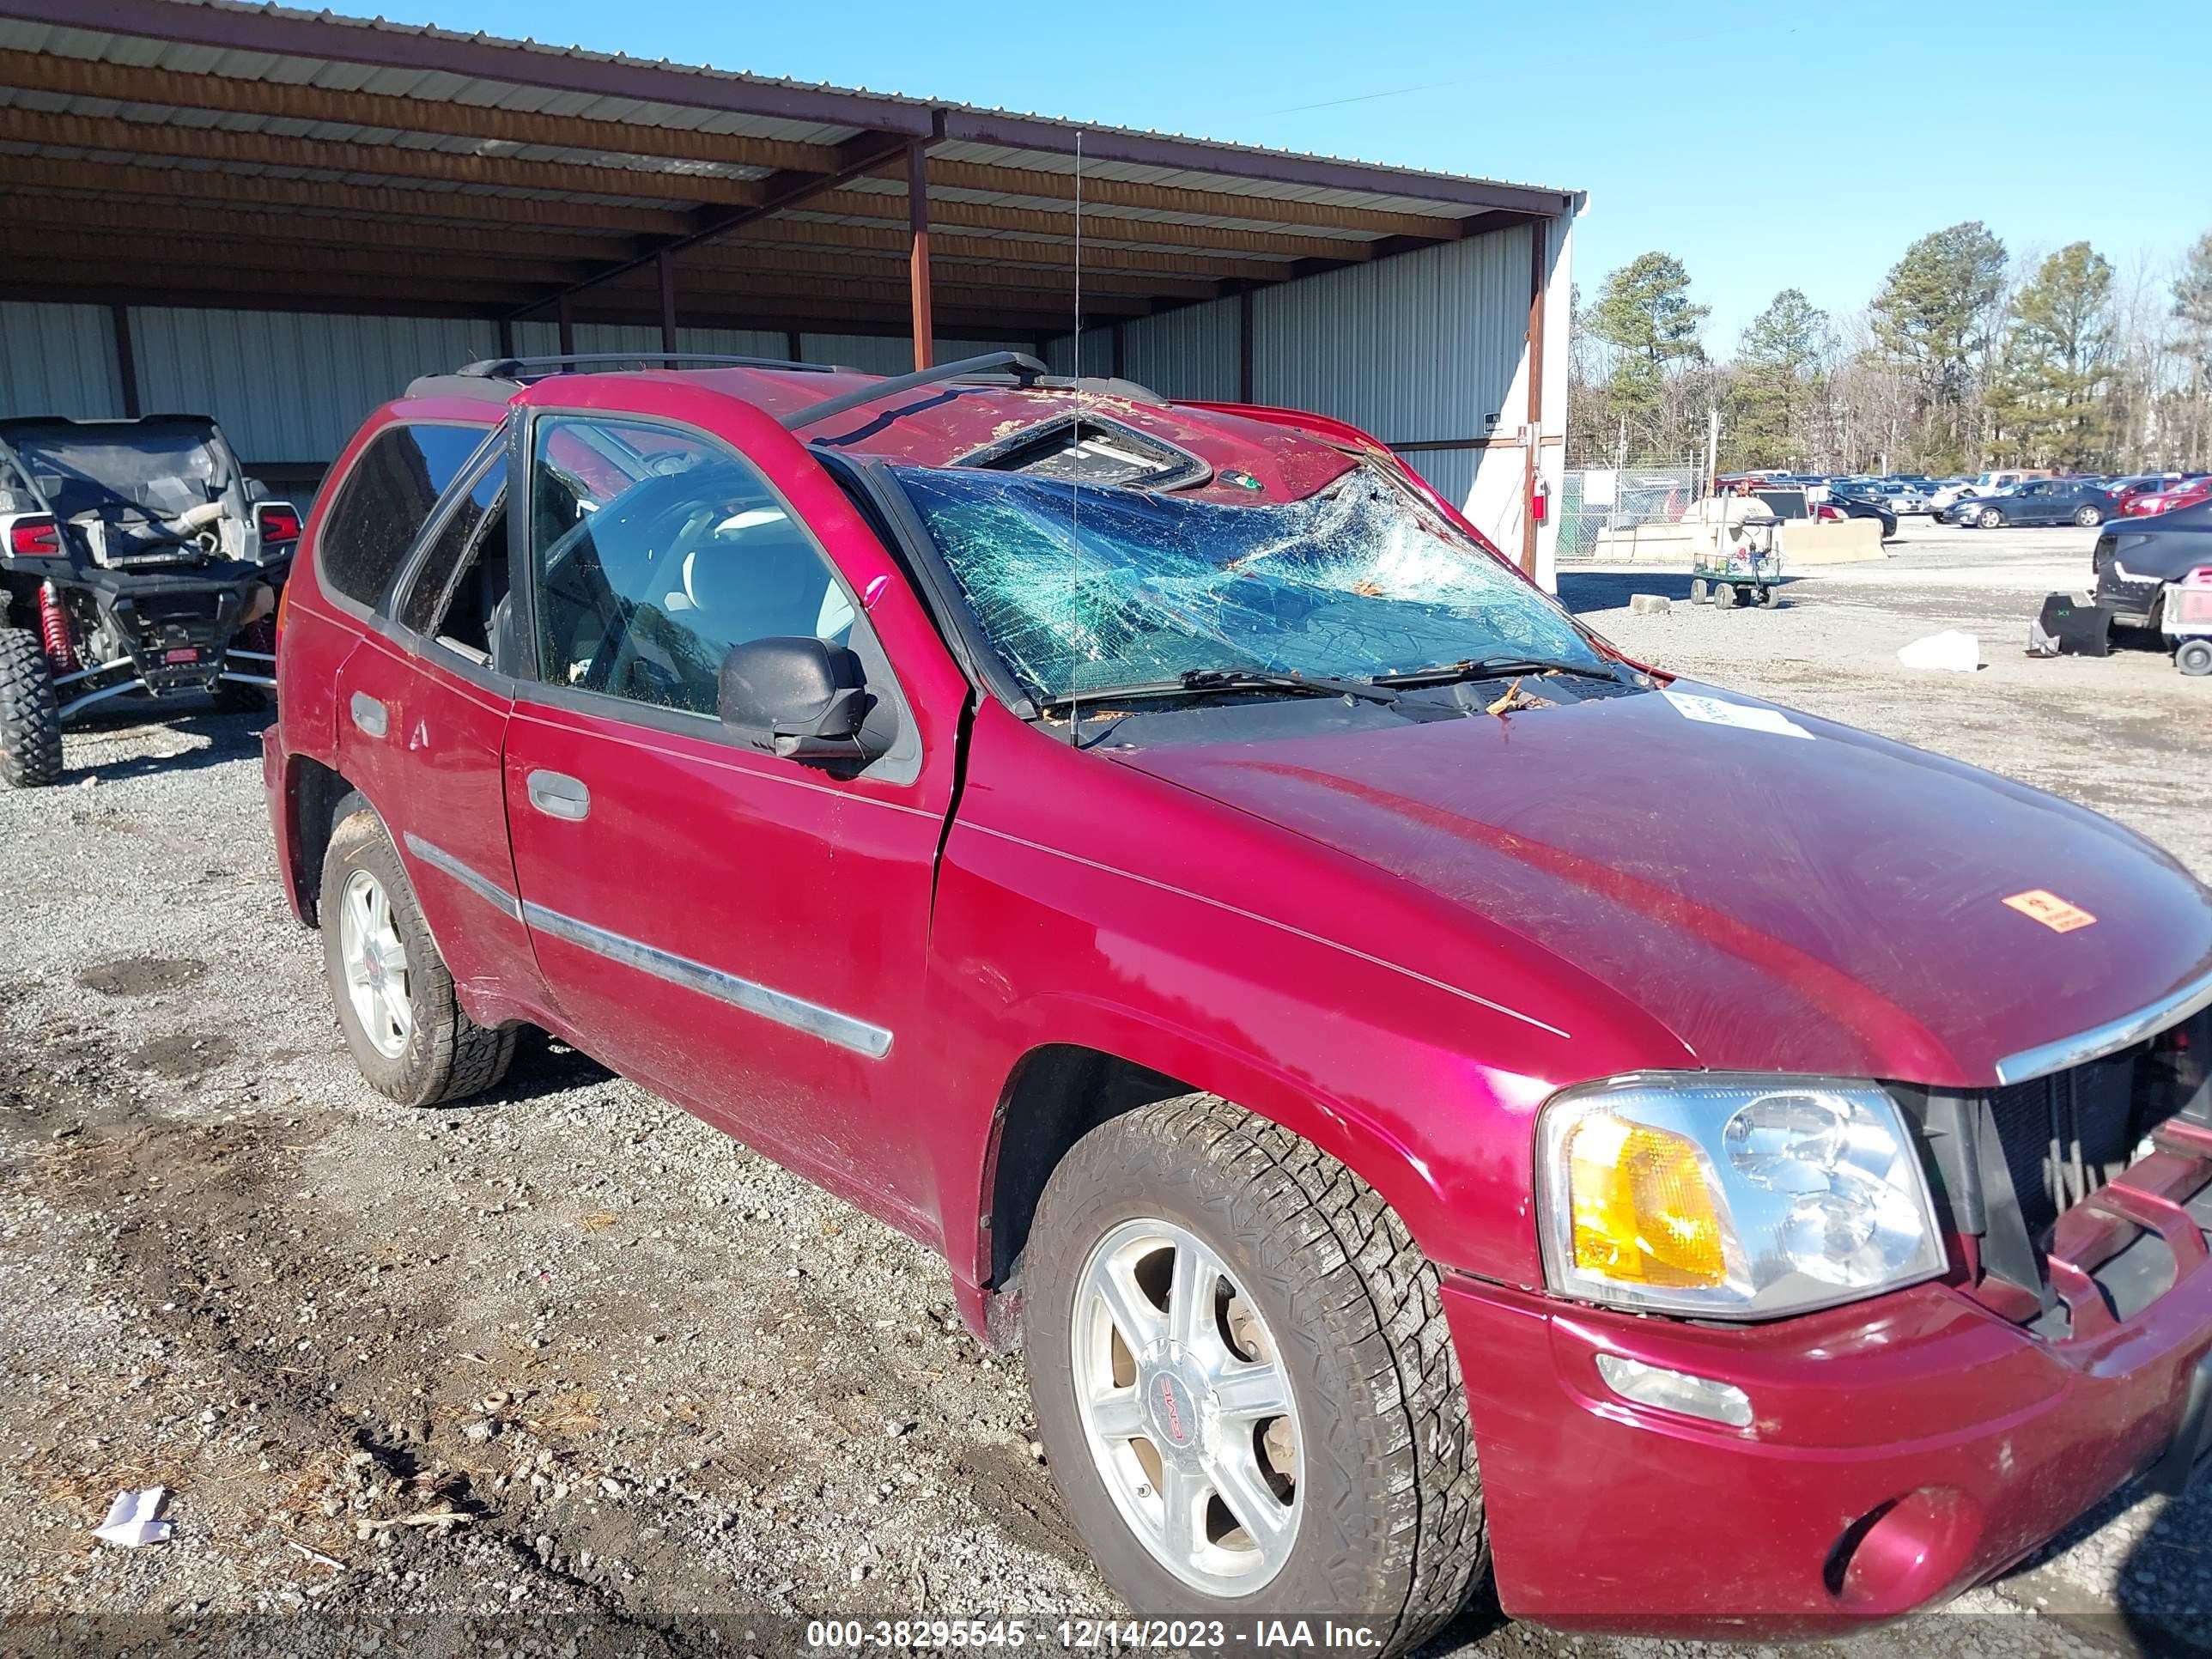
x=560, y=796
x=370, y=715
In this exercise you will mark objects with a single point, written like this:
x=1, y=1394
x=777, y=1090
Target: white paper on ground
x=1959, y=652
x=131, y=1520
x=1716, y=712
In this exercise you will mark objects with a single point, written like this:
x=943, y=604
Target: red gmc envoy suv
x=1433, y=1098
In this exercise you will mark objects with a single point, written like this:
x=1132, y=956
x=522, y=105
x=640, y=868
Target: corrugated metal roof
x=716, y=87
x=252, y=115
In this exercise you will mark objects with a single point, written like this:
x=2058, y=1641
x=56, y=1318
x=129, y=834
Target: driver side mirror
x=800, y=698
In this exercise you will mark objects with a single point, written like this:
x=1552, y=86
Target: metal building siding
x=1189, y=353
x=1421, y=347
x=291, y=387
x=58, y=359
x=1098, y=352
x=1450, y=472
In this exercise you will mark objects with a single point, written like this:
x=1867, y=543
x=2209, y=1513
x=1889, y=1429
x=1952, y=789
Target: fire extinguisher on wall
x=1539, y=501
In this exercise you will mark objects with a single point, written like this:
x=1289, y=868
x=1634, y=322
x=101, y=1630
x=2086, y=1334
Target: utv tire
x=30, y=712
x=1309, y=1279
x=1724, y=596
x=394, y=998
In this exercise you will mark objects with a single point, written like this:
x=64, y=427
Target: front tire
x=2194, y=656
x=30, y=712
x=1724, y=596
x=2088, y=517
x=1244, y=1382
x=394, y=997
x=1990, y=519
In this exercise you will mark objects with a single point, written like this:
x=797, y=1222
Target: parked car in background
x=1385, y=1134
x=1988, y=483
x=2039, y=501
x=1943, y=493
x=1903, y=496
x=2135, y=558
x=1844, y=501
x=1855, y=506
x=135, y=558
x=2151, y=503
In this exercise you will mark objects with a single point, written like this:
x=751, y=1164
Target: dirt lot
x=663, y=1396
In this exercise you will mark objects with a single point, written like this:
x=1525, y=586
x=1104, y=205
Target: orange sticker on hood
x=2052, y=911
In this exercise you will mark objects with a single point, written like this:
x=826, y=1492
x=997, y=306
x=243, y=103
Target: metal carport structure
x=193, y=190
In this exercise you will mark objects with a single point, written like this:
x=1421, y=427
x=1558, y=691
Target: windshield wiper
x=1200, y=681
x=1484, y=668
x=1269, y=679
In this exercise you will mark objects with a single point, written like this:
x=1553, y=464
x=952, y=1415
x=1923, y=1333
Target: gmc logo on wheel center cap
x=1171, y=1413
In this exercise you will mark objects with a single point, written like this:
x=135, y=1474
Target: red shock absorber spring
x=54, y=630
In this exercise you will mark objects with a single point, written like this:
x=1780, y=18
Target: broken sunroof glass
x=1091, y=450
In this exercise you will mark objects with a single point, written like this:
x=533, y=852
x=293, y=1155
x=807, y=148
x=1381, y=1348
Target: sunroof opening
x=1088, y=449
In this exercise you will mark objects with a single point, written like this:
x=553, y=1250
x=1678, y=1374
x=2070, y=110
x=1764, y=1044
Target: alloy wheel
x=375, y=961
x=1187, y=1407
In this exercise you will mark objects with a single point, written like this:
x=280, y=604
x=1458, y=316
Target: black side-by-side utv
x=135, y=558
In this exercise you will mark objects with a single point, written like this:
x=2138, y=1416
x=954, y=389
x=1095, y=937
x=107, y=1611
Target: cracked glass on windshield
x=1095, y=588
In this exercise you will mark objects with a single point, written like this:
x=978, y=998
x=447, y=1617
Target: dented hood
x=1782, y=892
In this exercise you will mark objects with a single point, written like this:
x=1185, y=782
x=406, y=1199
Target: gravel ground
x=567, y=1371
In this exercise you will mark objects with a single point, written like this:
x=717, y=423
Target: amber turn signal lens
x=1642, y=1213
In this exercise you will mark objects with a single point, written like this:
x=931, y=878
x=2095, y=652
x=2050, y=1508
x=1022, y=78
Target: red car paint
x=1397, y=945
x=2149, y=506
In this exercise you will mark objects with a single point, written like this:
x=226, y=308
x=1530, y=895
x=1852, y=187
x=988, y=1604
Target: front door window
x=653, y=551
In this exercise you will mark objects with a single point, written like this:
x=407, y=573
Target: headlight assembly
x=1730, y=1195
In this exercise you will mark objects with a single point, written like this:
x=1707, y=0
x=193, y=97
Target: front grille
x=2065, y=1135
x=2086, y=1196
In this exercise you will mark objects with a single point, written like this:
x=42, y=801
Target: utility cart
x=1742, y=567
x=2186, y=619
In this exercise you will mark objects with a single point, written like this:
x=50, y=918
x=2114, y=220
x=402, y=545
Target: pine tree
x=2047, y=396
x=2192, y=310
x=1777, y=383
x=1936, y=314
x=1646, y=314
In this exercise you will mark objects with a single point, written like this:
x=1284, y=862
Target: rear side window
x=381, y=507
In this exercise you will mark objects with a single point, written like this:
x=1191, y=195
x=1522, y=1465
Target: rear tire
x=1724, y=596
x=2088, y=516
x=2194, y=656
x=394, y=998
x=1699, y=592
x=30, y=712
x=1376, y=1495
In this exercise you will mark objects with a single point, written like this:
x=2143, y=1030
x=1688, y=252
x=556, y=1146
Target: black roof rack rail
x=523, y=369
x=1025, y=370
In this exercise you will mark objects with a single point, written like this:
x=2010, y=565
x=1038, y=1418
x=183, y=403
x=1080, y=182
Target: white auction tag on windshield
x=1713, y=712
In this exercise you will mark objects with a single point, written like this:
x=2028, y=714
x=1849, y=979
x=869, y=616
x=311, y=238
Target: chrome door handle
x=370, y=715
x=559, y=796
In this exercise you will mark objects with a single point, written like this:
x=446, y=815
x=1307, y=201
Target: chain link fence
x=1601, y=508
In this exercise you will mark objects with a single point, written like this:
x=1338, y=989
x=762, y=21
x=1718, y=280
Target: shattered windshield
x=162, y=468
x=1088, y=588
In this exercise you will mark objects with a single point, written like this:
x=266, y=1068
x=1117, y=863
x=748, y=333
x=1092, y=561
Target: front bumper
x=1901, y=1451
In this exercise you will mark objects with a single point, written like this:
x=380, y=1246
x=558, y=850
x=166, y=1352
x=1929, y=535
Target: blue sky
x=1766, y=146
